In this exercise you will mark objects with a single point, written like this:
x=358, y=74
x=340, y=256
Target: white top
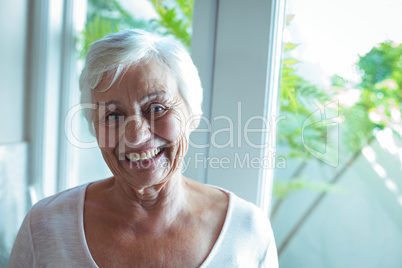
x=52, y=235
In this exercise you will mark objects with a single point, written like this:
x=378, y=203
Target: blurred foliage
x=105, y=17
x=383, y=62
x=380, y=97
x=380, y=100
x=175, y=19
x=378, y=107
x=299, y=99
x=338, y=81
x=108, y=16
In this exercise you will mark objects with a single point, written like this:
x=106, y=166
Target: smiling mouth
x=146, y=155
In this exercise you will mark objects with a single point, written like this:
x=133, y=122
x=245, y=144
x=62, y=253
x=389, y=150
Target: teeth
x=135, y=157
x=144, y=155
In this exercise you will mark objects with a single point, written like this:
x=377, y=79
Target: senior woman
x=146, y=98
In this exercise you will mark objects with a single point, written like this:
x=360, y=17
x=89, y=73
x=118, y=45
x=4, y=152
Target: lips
x=145, y=155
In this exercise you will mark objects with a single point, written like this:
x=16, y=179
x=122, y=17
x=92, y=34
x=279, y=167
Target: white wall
x=13, y=21
x=13, y=147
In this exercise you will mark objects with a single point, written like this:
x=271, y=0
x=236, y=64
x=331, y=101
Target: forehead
x=137, y=82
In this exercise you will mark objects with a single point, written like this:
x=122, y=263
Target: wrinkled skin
x=142, y=110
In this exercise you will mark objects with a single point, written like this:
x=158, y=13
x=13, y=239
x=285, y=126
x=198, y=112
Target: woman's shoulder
x=241, y=206
x=52, y=232
x=252, y=217
x=208, y=193
x=62, y=198
x=65, y=202
x=247, y=218
x=247, y=233
x=242, y=209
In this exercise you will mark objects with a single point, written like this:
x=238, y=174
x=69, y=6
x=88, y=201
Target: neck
x=154, y=208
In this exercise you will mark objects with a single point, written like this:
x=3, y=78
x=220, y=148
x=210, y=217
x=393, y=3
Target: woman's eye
x=112, y=117
x=157, y=108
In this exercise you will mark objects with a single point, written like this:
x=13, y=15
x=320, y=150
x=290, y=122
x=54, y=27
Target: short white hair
x=115, y=52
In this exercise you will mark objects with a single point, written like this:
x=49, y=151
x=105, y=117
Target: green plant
x=299, y=99
x=108, y=16
x=379, y=107
x=105, y=17
x=175, y=19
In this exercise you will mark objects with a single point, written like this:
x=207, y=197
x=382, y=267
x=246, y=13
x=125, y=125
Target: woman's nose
x=136, y=130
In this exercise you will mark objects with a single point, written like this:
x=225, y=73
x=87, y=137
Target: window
x=335, y=203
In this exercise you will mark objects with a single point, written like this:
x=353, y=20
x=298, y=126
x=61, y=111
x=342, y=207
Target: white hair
x=115, y=52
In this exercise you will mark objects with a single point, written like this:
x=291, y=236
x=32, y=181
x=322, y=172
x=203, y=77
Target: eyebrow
x=148, y=96
x=102, y=103
x=153, y=95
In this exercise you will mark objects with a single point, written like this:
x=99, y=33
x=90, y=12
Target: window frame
x=216, y=39
x=43, y=87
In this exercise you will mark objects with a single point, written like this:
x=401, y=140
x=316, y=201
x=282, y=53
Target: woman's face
x=140, y=125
